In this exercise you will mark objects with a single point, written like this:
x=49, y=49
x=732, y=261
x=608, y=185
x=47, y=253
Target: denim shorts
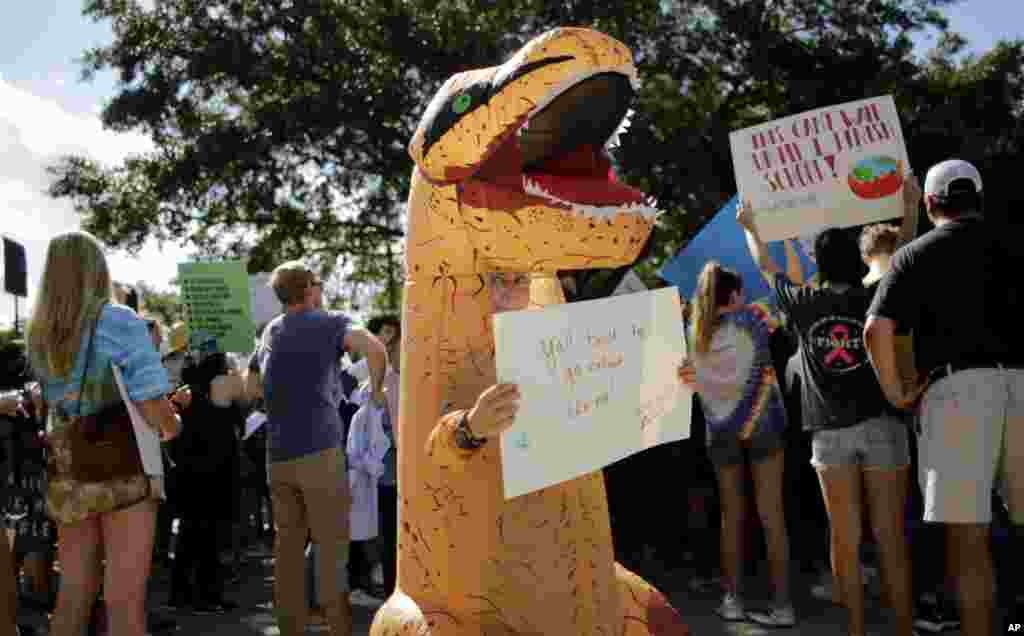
x=731, y=450
x=879, y=443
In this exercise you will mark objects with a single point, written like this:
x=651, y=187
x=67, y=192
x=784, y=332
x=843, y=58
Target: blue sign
x=723, y=240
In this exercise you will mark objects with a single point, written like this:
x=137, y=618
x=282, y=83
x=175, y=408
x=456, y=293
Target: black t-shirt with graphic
x=839, y=385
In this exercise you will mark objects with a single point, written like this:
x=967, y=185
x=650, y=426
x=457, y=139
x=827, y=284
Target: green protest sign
x=216, y=301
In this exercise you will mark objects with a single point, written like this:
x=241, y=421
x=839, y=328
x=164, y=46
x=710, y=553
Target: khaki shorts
x=971, y=440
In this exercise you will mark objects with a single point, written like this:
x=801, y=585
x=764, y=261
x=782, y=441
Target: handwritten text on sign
x=837, y=166
x=598, y=383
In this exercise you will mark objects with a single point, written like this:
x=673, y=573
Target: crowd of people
x=906, y=406
x=881, y=360
x=226, y=485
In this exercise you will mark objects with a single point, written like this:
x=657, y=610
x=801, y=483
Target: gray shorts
x=880, y=443
x=971, y=441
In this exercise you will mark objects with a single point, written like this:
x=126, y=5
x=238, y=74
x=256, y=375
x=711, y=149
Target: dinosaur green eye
x=461, y=103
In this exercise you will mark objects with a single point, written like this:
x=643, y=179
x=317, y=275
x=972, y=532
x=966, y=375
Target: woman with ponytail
x=731, y=370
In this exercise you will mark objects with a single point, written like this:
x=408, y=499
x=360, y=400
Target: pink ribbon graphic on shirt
x=840, y=338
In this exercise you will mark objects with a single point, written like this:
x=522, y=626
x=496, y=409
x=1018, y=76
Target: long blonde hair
x=75, y=285
x=715, y=287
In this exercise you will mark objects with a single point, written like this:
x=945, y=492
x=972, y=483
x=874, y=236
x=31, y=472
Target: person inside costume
x=511, y=185
x=732, y=371
x=859, y=447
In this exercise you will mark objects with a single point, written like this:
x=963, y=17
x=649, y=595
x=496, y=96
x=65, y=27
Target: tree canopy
x=280, y=129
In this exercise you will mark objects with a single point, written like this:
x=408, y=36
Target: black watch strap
x=464, y=437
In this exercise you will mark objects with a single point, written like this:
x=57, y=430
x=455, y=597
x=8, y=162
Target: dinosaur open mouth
x=584, y=180
x=561, y=150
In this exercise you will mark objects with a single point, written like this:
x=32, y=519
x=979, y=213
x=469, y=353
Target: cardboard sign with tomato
x=839, y=166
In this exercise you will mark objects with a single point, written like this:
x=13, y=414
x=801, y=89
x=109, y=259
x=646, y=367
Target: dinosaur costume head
x=510, y=176
x=522, y=144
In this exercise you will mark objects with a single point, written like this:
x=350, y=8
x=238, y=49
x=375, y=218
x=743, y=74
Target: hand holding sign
x=911, y=193
x=495, y=411
x=598, y=379
x=745, y=214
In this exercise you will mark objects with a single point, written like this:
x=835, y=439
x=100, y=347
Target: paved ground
x=254, y=618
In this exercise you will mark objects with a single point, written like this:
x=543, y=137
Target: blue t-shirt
x=299, y=360
x=122, y=339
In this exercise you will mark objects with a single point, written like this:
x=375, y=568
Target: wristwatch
x=464, y=437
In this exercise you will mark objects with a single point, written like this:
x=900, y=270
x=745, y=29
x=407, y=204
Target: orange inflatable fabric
x=510, y=176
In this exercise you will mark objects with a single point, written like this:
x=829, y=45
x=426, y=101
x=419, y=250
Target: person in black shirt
x=935, y=610
x=858, y=447
x=970, y=359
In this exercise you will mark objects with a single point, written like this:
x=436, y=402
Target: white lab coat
x=365, y=449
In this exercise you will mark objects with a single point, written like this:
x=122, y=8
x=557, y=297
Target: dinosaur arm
x=441, y=447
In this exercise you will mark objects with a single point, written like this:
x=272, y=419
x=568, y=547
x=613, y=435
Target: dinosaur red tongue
x=582, y=161
x=584, y=176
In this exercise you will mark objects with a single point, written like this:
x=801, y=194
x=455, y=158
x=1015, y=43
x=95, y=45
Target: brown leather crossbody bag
x=103, y=445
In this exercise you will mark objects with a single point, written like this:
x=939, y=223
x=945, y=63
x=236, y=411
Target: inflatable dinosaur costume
x=509, y=177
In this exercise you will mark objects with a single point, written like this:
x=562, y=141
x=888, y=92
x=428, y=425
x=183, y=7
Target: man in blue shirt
x=297, y=364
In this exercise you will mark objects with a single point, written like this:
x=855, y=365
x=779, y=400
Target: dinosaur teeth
x=616, y=138
x=648, y=208
x=607, y=212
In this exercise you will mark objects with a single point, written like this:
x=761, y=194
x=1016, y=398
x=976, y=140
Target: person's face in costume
x=509, y=291
x=387, y=334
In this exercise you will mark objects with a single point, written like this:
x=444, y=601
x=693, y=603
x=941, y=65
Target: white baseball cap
x=943, y=174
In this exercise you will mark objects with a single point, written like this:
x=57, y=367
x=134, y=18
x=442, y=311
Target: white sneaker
x=362, y=599
x=731, y=608
x=777, y=617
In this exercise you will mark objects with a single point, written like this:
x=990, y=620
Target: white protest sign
x=598, y=381
x=146, y=436
x=839, y=166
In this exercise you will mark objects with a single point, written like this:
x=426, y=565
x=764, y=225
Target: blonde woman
x=107, y=521
x=732, y=372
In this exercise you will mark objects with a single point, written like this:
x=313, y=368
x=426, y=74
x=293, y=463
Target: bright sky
x=46, y=112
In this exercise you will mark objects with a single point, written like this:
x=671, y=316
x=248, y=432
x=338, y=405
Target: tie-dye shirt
x=736, y=380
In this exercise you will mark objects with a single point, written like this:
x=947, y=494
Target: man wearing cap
x=297, y=364
x=957, y=289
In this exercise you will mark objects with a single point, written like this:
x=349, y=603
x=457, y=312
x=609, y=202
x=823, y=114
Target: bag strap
x=88, y=357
